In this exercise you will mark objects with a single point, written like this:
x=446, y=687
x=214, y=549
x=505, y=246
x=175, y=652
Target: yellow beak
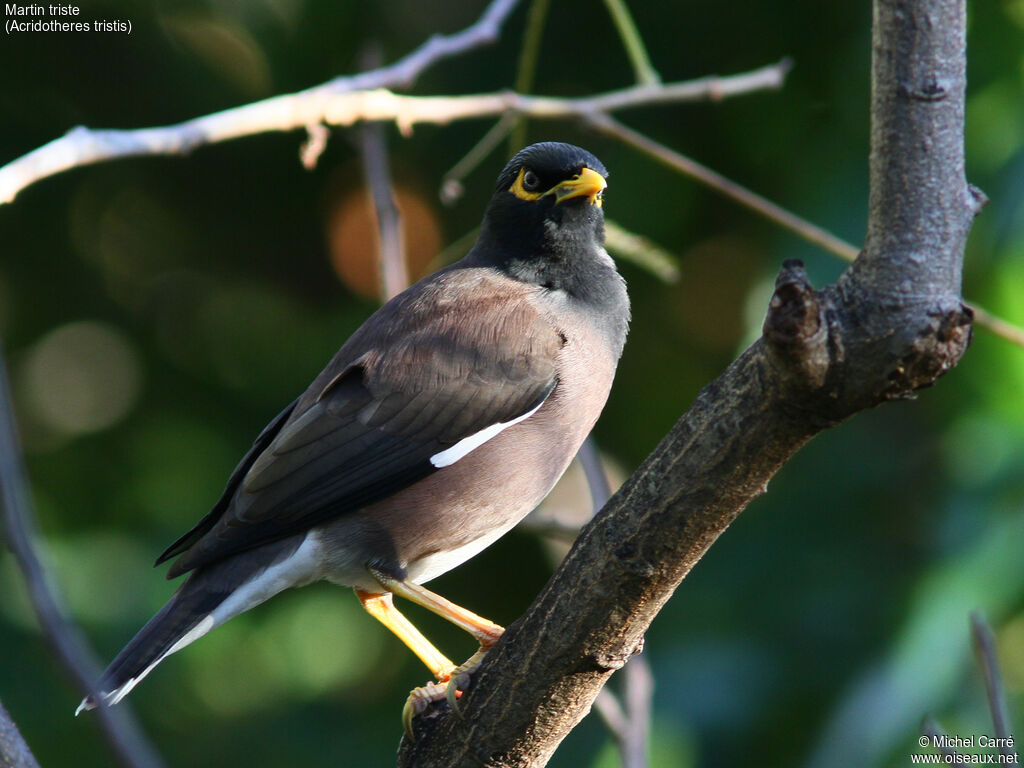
x=587, y=183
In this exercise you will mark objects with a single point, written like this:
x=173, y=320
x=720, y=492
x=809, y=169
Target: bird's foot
x=420, y=700
x=461, y=678
x=449, y=687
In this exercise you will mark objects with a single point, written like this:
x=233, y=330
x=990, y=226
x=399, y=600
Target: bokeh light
x=81, y=377
x=354, y=242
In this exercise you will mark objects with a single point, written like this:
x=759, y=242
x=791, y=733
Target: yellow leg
x=486, y=632
x=382, y=608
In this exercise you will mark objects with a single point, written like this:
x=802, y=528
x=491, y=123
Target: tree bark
x=892, y=324
x=14, y=752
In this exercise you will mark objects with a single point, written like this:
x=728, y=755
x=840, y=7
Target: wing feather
x=422, y=374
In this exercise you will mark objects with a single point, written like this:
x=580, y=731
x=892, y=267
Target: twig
x=451, y=184
x=394, y=276
x=639, y=693
x=997, y=325
x=985, y=648
x=314, y=146
x=597, y=480
x=14, y=752
x=643, y=71
x=608, y=707
x=403, y=73
x=83, y=146
x=528, y=56
x=551, y=528
x=628, y=719
x=730, y=189
x=456, y=249
x=785, y=219
x=641, y=251
x=377, y=170
x=629, y=724
x=937, y=735
x=122, y=734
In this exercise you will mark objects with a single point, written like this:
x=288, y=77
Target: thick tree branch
x=14, y=752
x=892, y=325
x=920, y=207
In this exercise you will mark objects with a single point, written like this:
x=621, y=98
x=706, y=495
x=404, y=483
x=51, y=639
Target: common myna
x=437, y=427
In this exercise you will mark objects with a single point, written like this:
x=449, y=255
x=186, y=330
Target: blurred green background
x=157, y=312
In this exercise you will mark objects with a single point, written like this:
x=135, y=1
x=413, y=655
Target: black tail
x=192, y=612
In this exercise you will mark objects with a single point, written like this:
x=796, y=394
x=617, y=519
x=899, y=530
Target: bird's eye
x=531, y=182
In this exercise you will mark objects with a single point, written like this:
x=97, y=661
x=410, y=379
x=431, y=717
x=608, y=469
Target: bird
x=436, y=427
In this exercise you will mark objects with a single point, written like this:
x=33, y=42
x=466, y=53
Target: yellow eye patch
x=587, y=183
x=520, y=191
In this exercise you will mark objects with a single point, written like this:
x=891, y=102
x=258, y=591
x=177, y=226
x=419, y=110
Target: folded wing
x=453, y=375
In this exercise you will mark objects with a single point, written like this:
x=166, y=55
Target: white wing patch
x=466, y=445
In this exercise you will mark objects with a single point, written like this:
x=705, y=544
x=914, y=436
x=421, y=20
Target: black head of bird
x=435, y=428
x=545, y=222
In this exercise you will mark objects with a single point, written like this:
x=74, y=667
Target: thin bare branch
x=641, y=251
x=988, y=660
x=14, y=752
x=376, y=168
x=776, y=213
x=997, y=325
x=755, y=202
x=612, y=714
x=628, y=722
x=529, y=53
x=638, y=691
x=314, y=146
x=451, y=184
x=82, y=146
x=938, y=736
x=289, y=112
x=551, y=528
x=643, y=70
x=597, y=480
x=630, y=725
x=404, y=72
x=69, y=646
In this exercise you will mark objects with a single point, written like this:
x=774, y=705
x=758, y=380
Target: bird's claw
x=418, y=702
x=449, y=689
x=461, y=678
x=458, y=683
